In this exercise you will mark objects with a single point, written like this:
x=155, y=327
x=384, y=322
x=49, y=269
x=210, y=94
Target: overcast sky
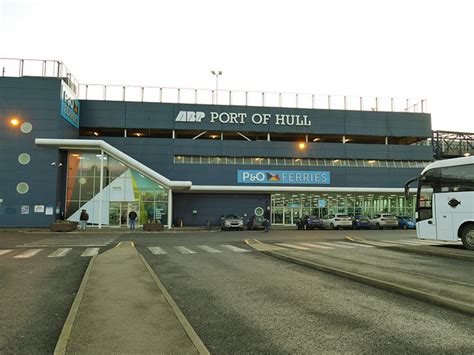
x=403, y=49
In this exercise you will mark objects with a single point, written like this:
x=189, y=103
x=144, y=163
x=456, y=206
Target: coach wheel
x=467, y=237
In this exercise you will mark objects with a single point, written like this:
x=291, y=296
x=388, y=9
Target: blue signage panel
x=283, y=177
x=69, y=106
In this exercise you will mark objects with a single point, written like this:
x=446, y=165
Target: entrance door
x=118, y=213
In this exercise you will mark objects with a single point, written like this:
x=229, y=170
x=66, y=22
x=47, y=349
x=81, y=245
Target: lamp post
x=216, y=74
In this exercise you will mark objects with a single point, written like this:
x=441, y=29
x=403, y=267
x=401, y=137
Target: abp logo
x=190, y=116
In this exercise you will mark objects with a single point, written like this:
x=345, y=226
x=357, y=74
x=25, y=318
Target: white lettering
x=260, y=176
x=266, y=117
x=190, y=116
x=181, y=116
x=214, y=115
x=280, y=120
x=233, y=117
x=306, y=121
x=257, y=118
x=199, y=116
x=224, y=117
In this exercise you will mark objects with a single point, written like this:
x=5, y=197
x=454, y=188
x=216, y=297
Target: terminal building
x=188, y=156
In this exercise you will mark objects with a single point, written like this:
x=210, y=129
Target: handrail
x=14, y=67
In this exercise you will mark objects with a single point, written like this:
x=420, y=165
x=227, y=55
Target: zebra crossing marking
x=234, y=248
x=184, y=250
x=209, y=249
x=59, y=253
x=28, y=254
x=5, y=251
x=292, y=246
x=345, y=245
x=157, y=251
x=317, y=246
x=90, y=252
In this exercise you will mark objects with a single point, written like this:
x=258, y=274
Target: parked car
x=255, y=222
x=381, y=221
x=337, y=221
x=361, y=222
x=232, y=221
x=309, y=222
x=406, y=222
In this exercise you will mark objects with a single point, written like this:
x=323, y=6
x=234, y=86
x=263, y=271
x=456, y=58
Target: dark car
x=361, y=222
x=309, y=222
x=255, y=222
x=406, y=222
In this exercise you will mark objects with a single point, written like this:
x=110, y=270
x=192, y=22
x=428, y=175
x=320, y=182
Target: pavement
x=123, y=308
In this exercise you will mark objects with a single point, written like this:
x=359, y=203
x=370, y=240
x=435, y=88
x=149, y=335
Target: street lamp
x=216, y=74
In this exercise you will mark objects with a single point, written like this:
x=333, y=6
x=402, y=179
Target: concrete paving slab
x=122, y=310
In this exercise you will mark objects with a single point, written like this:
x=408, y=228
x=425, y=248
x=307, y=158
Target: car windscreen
x=233, y=216
x=342, y=216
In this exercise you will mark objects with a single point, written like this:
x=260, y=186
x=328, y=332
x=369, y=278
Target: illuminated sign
x=69, y=105
x=283, y=177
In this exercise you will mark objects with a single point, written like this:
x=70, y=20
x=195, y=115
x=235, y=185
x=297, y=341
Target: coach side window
x=457, y=178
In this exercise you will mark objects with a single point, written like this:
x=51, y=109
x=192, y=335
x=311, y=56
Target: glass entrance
x=288, y=207
x=118, y=213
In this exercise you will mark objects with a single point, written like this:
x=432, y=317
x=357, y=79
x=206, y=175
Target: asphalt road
x=37, y=292
x=246, y=302
x=238, y=300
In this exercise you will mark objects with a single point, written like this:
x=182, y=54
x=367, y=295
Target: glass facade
x=287, y=208
x=357, y=163
x=123, y=189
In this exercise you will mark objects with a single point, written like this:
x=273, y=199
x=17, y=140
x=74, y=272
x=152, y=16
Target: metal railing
x=14, y=67
x=53, y=68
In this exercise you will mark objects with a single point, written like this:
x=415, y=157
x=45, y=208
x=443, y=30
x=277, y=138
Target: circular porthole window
x=22, y=188
x=24, y=158
x=259, y=211
x=26, y=127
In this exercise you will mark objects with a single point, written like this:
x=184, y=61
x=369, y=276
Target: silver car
x=381, y=221
x=337, y=221
x=232, y=221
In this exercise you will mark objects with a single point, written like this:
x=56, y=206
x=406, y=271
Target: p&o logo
x=253, y=176
x=190, y=116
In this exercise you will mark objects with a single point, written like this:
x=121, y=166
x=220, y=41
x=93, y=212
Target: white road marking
x=234, y=248
x=184, y=250
x=27, y=254
x=90, y=252
x=316, y=245
x=292, y=246
x=359, y=244
x=345, y=245
x=59, y=253
x=157, y=250
x=5, y=251
x=209, y=249
x=337, y=245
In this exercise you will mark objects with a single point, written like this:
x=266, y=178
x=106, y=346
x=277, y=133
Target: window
x=425, y=201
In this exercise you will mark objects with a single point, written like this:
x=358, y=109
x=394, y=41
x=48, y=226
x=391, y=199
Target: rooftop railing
x=13, y=67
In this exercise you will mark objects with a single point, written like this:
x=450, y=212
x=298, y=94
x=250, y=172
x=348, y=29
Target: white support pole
x=170, y=207
x=101, y=186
